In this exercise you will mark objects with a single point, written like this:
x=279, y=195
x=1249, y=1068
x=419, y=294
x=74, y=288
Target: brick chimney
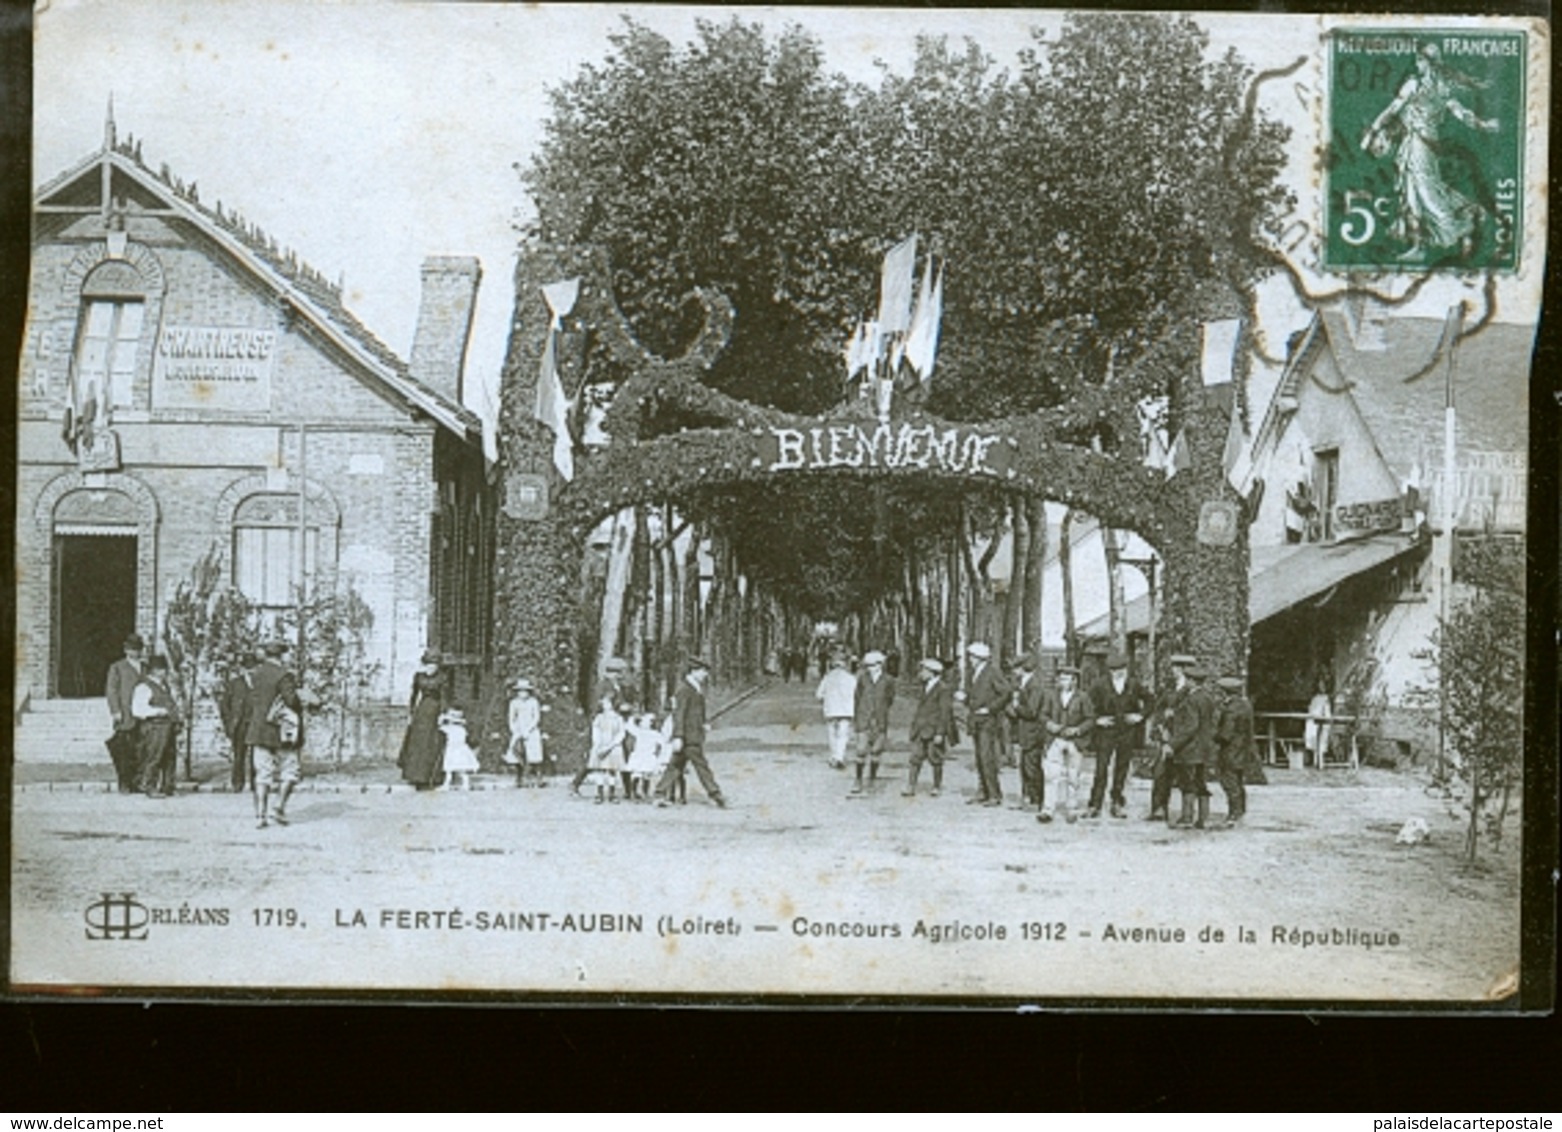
x=445, y=322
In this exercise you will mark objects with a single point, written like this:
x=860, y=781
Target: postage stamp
x=1425, y=162
x=574, y=501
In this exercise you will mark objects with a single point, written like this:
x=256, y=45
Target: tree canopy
x=1083, y=204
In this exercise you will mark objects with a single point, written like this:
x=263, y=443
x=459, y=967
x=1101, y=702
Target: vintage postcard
x=826, y=503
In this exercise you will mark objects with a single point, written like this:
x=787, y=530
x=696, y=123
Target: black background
x=138, y=1057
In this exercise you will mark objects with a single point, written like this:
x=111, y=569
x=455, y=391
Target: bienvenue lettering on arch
x=907, y=445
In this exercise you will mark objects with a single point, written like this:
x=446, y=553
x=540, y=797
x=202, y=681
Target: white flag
x=1220, y=350
x=922, y=341
x=552, y=407
x=900, y=267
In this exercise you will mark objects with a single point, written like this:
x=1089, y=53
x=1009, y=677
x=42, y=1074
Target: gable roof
x=292, y=280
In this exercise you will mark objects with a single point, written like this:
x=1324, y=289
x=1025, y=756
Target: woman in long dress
x=422, y=758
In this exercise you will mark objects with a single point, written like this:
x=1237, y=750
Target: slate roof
x=288, y=275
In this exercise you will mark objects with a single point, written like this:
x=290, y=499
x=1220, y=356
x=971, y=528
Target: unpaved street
x=794, y=889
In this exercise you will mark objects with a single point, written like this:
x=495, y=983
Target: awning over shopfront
x=1282, y=577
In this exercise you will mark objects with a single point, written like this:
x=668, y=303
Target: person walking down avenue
x=1119, y=704
x=1159, y=737
x=931, y=726
x=837, y=694
x=233, y=708
x=688, y=736
x=986, y=698
x=124, y=747
x=1069, y=721
x=276, y=734
x=157, y=723
x=1237, y=754
x=872, y=698
x=1028, y=708
x=422, y=758
x=1193, y=745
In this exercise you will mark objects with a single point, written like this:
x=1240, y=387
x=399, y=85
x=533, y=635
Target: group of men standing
x=1194, y=733
x=261, y=716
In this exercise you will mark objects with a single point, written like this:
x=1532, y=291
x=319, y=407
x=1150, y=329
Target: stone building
x=187, y=383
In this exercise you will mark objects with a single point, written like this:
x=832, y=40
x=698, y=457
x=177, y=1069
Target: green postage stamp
x=1424, y=166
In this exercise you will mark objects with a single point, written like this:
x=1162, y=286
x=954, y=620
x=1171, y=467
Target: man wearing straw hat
x=1119, y=705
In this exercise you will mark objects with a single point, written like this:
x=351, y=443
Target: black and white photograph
x=776, y=503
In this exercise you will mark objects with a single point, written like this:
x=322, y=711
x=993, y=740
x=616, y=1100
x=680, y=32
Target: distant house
x=189, y=384
x=1346, y=468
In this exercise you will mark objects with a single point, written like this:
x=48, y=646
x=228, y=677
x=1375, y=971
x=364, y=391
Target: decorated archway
x=1194, y=519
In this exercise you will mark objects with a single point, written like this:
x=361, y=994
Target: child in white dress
x=525, y=750
x=606, y=760
x=645, y=757
x=460, y=759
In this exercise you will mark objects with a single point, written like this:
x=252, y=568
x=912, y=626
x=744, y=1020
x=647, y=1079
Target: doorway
x=95, y=608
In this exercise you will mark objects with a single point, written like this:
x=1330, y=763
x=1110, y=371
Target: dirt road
x=796, y=888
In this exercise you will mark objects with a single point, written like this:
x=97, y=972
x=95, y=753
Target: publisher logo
x=116, y=917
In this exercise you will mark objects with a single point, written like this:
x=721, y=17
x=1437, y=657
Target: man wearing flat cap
x=688, y=736
x=870, y=715
x=124, y=748
x=931, y=725
x=1069, y=721
x=1236, y=752
x=1159, y=736
x=1119, y=705
x=1193, y=746
x=986, y=698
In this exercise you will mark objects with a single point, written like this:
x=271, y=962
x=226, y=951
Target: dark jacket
x=1118, y=734
x=234, y=708
x=1234, y=733
x=988, y=694
x=935, y=714
x=689, y=716
x=1074, y=721
x=1193, y=728
x=1030, y=706
x=270, y=681
x=872, y=704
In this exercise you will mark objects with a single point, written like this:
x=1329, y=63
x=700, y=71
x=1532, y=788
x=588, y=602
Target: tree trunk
x=1035, y=574
x=1117, y=605
x=1066, y=567
x=1019, y=565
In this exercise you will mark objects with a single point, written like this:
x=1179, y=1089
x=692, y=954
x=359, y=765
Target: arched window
x=265, y=549
x=113, y=309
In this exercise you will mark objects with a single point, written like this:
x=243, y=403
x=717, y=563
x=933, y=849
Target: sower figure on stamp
x=874, y=695
x=157, y=723
x=1119, y=703
x=1069, y=721
x=1193, y=745
x=275, y=734
x=1029, y=710
x=123, y=746
x=931, y=725
x=688, y=736
x=1163, y=777
x=1237, y=752
x=233, y=707
x=986, y=698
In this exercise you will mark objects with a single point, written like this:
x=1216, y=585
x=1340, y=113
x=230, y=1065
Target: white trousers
x=1063, y=765
x=840, y=732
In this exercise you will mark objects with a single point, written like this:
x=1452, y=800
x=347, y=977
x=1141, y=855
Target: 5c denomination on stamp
x=1424, y=164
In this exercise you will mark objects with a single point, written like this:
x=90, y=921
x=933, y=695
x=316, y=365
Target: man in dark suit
x=277, y=766
x=157, y=718
x=931, y=725
x=874, y=696
x=1236, y=752
x=688, y=736
x=1031, y=731
x=123, y=747
x=234, y=707
x=1192, y=737
x=986, y=698
x=1159, y=737
x=1119, y=705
